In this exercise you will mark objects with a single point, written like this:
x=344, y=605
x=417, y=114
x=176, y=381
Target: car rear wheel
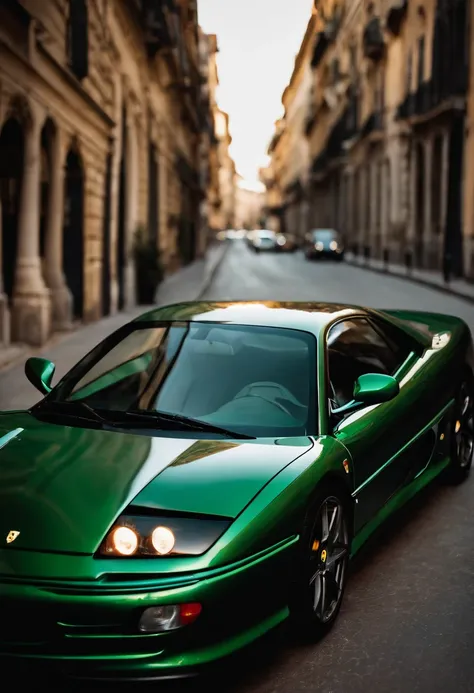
x=462, y=434
x=323, y=572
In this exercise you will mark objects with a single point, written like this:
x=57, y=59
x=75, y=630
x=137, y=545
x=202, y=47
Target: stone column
x=31, y=307
x=61, y=299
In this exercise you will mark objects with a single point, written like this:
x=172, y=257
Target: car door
x=380, y=438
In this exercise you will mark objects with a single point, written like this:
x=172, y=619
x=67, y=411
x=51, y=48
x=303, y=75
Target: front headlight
x=153, y=536
x=333, y=245
x=319, y=245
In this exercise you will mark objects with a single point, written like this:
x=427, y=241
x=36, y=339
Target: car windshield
x=324, y=235
x=254, y=380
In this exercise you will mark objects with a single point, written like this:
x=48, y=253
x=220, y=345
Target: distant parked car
x=324, y=243
x=264, y=240
x=287, y=242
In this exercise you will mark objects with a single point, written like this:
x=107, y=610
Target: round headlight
x=124, y=541
x=163, y=540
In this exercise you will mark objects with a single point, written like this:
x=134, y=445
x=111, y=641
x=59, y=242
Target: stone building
x=101, y=123
x=248, y=206
x=296, y=99
x=389, y=129
x=224, y=217
x=272, y=176
x=213, y=202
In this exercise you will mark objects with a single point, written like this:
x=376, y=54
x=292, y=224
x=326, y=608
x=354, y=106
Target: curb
x=212, y=270
x=444, y=289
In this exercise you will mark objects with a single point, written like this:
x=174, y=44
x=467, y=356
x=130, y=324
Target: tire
x=461, y=435
x=312, y=610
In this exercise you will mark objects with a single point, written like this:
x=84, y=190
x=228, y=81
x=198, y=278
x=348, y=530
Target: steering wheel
x=269, y=392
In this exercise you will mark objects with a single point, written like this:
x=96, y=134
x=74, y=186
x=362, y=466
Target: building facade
x=294, y=175
x=272, y=177
x=214, y=201
x=249, y=205
x=224, y=217
x=101, y=128
x=389, y=130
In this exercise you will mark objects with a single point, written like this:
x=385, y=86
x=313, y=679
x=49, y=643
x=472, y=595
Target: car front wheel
x=324, y=565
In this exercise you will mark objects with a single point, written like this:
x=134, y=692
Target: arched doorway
x=73, y=231
x=106, y=273
x=48, y=134
x=419, y=203
x=11, y=173
x=122, y=216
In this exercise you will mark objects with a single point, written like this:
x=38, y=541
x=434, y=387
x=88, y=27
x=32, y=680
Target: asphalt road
x=407, y=623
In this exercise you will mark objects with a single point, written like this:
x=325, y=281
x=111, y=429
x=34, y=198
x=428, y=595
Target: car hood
x=62, y=487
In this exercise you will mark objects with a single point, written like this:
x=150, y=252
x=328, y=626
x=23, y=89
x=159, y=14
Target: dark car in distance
x=324, y=243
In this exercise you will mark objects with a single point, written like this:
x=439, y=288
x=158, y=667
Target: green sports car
x=207, y=471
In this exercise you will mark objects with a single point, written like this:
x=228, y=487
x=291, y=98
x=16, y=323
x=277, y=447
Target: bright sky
x=258, y=42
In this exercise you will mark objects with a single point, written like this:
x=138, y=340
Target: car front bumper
x=90, y=631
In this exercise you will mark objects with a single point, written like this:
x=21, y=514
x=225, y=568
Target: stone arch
x=19, y=109
x=49, y=133
x=12, y=146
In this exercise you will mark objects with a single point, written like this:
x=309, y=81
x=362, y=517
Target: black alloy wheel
x=326, y=551
x=462, y=433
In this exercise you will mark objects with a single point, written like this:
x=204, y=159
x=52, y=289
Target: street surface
x=407, y=623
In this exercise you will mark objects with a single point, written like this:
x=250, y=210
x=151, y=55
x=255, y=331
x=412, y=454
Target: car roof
x=310, y=316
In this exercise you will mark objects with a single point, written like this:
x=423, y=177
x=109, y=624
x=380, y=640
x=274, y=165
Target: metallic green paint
x=40, y=373
x=375, y=388
x=62, y=487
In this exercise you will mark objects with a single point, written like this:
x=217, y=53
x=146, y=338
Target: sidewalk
x=65, y=349
x=430, y=278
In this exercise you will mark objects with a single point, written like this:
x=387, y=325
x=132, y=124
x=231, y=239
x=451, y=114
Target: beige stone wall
x=83, y=115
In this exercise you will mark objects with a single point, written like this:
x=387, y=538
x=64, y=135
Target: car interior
x=275, y=371
x=220, y=375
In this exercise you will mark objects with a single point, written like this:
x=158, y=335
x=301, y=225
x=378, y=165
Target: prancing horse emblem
x=12, y=535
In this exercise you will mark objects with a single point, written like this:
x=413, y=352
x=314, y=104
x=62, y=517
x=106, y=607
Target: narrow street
x=406, y=623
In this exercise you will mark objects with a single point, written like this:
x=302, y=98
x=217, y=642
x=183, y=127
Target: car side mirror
x=371, y=388
x=375, y=388
x=40, y=373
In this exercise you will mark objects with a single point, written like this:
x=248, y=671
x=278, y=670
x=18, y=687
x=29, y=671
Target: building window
x=78, y=38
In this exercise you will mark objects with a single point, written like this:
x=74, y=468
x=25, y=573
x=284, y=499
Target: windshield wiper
x=145, y=418
x=79, y=410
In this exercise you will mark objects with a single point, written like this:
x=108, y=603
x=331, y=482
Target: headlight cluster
x=149, y=536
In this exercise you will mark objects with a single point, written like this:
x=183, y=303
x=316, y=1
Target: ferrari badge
x=12, y=535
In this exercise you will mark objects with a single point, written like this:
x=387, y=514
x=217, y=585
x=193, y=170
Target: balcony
x=432, y=95
x=159, y=26
x=395, y=16
x=373, y=40
x=372, y=125
x=334, y=148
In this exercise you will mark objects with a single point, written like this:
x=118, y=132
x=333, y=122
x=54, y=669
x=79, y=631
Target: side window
x=398, y=343
x=355, y=348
